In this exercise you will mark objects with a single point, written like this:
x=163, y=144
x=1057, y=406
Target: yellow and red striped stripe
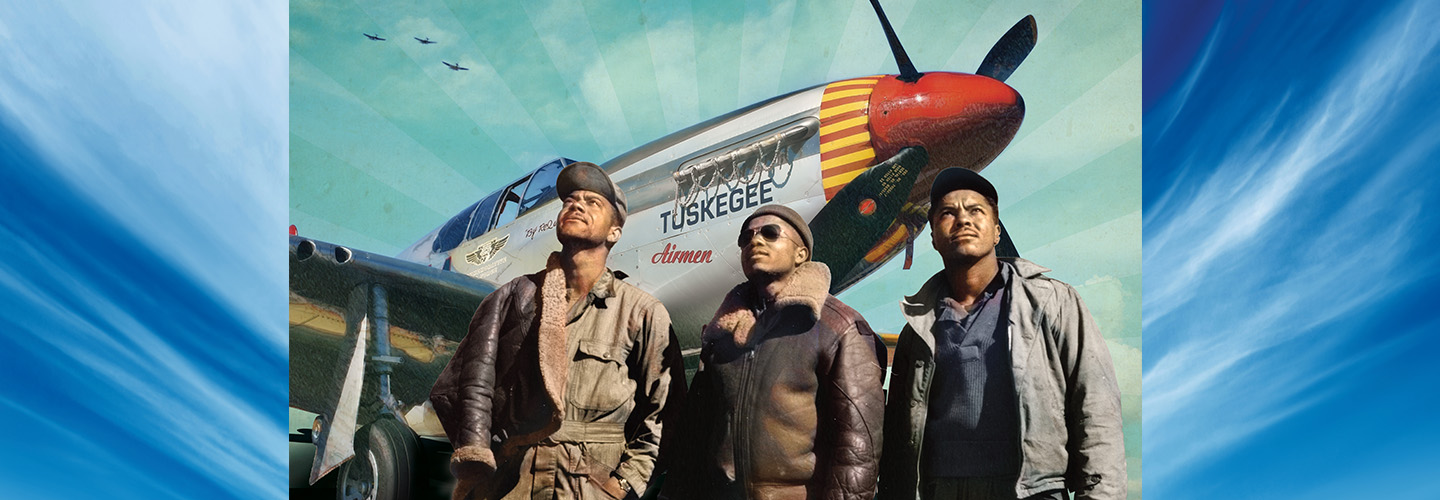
x=845, y=150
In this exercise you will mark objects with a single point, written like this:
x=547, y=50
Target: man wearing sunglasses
x=787, y=402
x=559, y=388
x=1003, y=387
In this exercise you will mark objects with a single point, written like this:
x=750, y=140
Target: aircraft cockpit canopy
x=501, y=207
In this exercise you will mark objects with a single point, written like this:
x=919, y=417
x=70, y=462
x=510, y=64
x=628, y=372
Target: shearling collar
x=556, y=312
x=807, y=286
x=552, y=339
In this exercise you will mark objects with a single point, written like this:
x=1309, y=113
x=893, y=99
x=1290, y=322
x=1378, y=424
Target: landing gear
x=384, y=466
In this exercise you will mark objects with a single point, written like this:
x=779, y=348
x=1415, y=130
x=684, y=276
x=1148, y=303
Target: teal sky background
x=386, y=143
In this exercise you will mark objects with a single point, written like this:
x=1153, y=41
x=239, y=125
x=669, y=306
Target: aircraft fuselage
x=689, y=191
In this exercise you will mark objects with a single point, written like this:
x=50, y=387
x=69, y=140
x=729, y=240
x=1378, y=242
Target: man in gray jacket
x=1002, y=387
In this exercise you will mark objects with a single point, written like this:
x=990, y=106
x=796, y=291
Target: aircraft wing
x=428, y=310
x=369, y=334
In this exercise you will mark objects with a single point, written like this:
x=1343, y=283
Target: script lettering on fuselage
x=546, y=226
x=719, y=204
x=673, y=255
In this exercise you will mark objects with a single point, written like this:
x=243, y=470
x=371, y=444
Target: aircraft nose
x=962, y=120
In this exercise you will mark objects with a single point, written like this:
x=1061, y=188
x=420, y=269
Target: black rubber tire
x=384, y=466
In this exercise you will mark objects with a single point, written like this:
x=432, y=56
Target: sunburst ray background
x=386, y=143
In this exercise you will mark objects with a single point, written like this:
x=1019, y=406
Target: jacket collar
x=807, y=287
x=603, y=289
x=919, y=309
x=553, y=340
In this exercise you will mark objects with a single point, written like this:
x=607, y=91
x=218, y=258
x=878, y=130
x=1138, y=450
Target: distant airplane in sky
x=373, y=37
x=425, y=40
x=455, y=67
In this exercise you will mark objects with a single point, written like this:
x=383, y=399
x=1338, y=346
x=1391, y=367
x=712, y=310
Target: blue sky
x=142, y=167
x=1289, y=218
x=1287, y=192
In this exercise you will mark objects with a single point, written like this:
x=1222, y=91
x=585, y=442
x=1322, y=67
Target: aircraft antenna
x=908, y=74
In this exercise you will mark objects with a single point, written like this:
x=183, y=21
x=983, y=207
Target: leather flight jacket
x=569, y=394
x=787, y=403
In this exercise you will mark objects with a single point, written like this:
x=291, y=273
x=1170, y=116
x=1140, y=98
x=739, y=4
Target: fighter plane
x=373, y=37
x=424, y=41
x=369, y=334
x=455, y=67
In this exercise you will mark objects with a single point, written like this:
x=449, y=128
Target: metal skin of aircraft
x=370, y=334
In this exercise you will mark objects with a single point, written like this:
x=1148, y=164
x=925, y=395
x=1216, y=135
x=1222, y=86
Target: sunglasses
x=771, y=232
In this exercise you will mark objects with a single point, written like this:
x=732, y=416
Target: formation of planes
x=369, y=333
x=423, y=41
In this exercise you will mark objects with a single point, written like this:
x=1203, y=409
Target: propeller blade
x=908, y=73
x=1006, y=248
x=857, y=217
x=1010, y=51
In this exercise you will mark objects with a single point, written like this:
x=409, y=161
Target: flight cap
x=590, y=177
x=789, y=216
x=955, y=178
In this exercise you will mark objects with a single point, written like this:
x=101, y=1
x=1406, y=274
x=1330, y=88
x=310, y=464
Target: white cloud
x=573, y=50
x=763, y=40
x=1236, y=278
x=198, y=87
x=479, y=92
x=672, y=52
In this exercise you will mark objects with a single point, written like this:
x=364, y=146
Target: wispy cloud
x=1248, y=275
x=144, y=199
x=572, y=48
x=152, y=65
x=672, y=52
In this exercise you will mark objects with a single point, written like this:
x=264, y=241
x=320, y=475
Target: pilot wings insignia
x=487, y=250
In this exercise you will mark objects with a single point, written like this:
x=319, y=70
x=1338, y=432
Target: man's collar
x=604, y=286
x=1003, y=274
x=927, y=298
x=1024, y=268
x=808, y=287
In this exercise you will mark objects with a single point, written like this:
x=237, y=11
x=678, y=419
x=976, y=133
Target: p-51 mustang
x=369, y=334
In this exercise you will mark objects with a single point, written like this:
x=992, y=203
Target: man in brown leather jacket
x=787, y=402
x=559, y=389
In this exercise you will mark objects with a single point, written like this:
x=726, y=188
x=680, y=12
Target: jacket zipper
x=927, y=371
x=742, y=455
